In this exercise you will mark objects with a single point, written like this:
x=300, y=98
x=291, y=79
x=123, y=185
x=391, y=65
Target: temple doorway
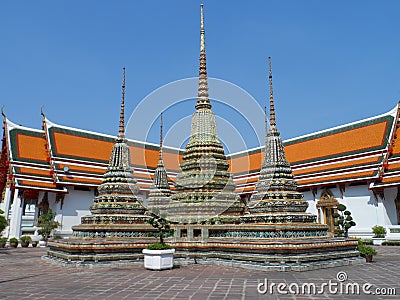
x=326, y=206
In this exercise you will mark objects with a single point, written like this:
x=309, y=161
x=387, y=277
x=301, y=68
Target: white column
x=16, y=215
x=7, y=200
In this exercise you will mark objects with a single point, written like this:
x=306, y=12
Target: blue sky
x=334, y=62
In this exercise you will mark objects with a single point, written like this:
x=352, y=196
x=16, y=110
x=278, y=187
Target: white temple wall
x=389, y=206
x=75, y=205
x=360, y=201
x=312, y=207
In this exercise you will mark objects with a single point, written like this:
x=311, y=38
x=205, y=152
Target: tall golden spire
x=272, y=120
x=121, y=131
x=202, y=31
x=202, y=92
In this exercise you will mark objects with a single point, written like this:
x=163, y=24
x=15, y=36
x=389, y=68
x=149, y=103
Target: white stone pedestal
x=158, y=259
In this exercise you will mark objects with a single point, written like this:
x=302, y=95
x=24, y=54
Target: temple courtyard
x=25, y=275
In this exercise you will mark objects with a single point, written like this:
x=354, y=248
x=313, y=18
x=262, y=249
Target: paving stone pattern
x=24, y=275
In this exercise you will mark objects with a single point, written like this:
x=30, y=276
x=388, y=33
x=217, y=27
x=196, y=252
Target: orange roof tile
x=75, y=168
x=33, y=183
x=246, y=163
x=327, y=179
x=349, y=141
x=33, y=171
x=336, y=166
x=80, y=180
x=396, y=147
x=81, y=147
x=31, y=147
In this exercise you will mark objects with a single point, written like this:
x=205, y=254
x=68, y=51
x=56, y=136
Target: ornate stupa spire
x=121, y=129
x=160, y=191
x=276, y=189
x=204, y=187
x=161, y=137
x=202, y=92
x=272, y=120
x=116, y=203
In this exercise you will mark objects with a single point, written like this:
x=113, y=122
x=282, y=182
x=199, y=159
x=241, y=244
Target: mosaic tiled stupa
x=118, y=216
x=204, y=188
x=274, y=232
x=208, y=218
x=276, y=198
x=160, y=192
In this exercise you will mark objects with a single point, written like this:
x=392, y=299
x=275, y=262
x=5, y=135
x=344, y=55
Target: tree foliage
x=3, y=221
x=47, y=223
x=379, y=231
x=162, y=226
x=343, y=220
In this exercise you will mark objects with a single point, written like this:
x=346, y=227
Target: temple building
x=62, y=168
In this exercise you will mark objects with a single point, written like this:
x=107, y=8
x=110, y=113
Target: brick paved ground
x=24, y=275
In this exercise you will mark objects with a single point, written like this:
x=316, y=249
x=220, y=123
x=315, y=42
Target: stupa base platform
x=260, y=254
x=97, y=250
x=281, y=267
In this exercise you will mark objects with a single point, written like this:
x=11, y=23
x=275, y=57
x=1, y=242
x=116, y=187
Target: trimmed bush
x=379, y=231
x=391, y=243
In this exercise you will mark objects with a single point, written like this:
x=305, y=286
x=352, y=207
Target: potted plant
x=25, y=240
x=379, y=234
x=366, y=251
x=3, y=242
x=159, y=256
x=14, y=242
x=47, y=223
x=34, y=243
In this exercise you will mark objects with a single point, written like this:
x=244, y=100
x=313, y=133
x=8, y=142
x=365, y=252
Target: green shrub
x=162, y=226
x=47, y=224
x=158, y=246
x=379, y=231
x=25, y=238
x=365, y=250
x=163, y=230
x=3, y=240
x=367, y=242
x=3, y=221
x=343, y=220
x=391, y=243
x=14, y=240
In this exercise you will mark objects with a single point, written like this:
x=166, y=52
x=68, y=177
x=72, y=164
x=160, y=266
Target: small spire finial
x=161, y=134
x=272, y=120
x=41, y=112
x=121, y=131
x=2, y=112
x=202, y=31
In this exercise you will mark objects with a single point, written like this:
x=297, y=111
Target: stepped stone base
x=261, y=254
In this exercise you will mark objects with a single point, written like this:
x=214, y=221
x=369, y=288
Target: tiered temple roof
x=362, y=151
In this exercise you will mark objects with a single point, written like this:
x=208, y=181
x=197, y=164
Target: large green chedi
x=204, y=188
